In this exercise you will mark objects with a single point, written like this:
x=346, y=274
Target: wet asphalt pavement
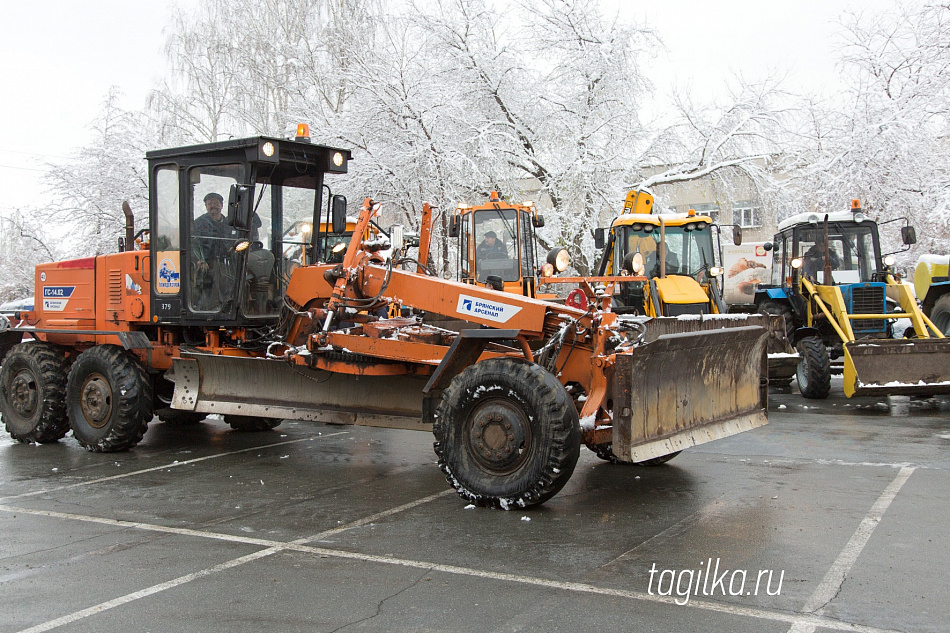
x=835, y=517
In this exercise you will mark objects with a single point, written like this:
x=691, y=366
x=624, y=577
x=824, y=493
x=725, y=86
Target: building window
x=747, y=215
x=712, y=210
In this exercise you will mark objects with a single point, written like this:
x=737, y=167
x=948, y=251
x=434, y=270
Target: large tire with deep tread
x=605, y=452
x=940, y=315
x=814, y=368
x=506, y=434
x=33, y=392
x=177, y=417
x=251, y=424
x=108, y=399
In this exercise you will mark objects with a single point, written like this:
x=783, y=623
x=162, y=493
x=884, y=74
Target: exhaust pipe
x=129, y=226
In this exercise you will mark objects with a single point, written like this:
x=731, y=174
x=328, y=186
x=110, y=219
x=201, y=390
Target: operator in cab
x=491, y=248
x=213, y=237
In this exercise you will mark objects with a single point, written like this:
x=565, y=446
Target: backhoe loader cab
x=832, y=284
x=676, y=253
x=231, y=220
x=498, y=247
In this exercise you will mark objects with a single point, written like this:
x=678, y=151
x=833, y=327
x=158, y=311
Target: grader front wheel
x=109, y=399
x=32, y=393
x=506, y=434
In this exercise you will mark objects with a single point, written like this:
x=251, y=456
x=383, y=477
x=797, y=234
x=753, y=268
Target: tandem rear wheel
x=251, y=424
x=506, y=434
x=606, y=453
x=33, y=392
x=108, y=399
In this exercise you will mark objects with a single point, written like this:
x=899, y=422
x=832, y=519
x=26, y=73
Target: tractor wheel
x=605, y=452
x=940, y=314
x=814, y=369
x=778, y=308
x=109, y=399
x=251, y=424
x=506, y=434
x=33, y=393
x=177, y=417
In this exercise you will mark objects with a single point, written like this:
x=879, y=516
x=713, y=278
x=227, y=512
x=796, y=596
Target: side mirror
x=908, y=235
x=768, y=246
x=599, y=238
x=737, y=235
x=338, y=215
x=239, y=206
x=454, y=226
x=538, y=221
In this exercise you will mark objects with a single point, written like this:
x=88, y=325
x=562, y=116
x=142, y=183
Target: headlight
x=268, y=149
x=889, y=260
x=338, y=159
x=547, y=270
x=797, y=263
x=638, y=267
x=240, y=246
x=305, y=228
x=715, y=271
x=338, y=248
x=559, y=259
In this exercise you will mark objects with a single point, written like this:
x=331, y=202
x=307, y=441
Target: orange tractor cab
x=497, y=246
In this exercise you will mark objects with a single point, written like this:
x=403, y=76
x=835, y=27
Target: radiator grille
x=867, y=300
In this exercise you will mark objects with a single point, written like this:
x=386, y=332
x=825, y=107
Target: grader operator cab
x=832, y=284
x=195, y=324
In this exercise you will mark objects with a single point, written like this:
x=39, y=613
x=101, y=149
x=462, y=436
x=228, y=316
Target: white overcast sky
x=62, y=57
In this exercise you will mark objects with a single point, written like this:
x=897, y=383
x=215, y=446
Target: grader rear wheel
x=506, y=434
x=606, y=453
x=108, y=399
x=251, y=424
x=32, y=393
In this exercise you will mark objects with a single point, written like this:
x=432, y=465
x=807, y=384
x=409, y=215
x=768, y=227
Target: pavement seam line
x=831, y=584
x=175, y=464
x=278, y=546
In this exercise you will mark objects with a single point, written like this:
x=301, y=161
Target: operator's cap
x=491, y=234
x=214, y=196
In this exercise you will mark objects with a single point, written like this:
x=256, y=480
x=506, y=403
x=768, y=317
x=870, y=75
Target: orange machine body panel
x=108, y=293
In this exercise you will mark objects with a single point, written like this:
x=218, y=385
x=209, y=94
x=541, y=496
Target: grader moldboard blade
x=232, y=385
x=688, y=387
x=887, y=367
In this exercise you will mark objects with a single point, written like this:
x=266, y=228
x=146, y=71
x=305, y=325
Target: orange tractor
x=234, y=319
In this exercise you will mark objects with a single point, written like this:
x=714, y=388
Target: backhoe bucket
x=689, y=388
x=886, y=367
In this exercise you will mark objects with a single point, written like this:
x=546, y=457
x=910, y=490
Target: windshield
x=688, y=250
x=850, y=253
x=496, y=236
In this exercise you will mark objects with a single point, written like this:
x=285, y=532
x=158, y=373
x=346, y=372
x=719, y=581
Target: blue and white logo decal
x=55, y=298
x=486, y=309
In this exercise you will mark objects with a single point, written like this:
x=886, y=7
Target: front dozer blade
x=888, y=367
x=689, y=388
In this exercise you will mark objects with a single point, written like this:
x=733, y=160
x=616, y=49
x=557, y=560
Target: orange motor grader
x=227, y=323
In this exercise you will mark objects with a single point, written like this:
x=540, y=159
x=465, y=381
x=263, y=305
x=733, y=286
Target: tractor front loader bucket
x=897, y=367
x=232, y=385
x=684, y=389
